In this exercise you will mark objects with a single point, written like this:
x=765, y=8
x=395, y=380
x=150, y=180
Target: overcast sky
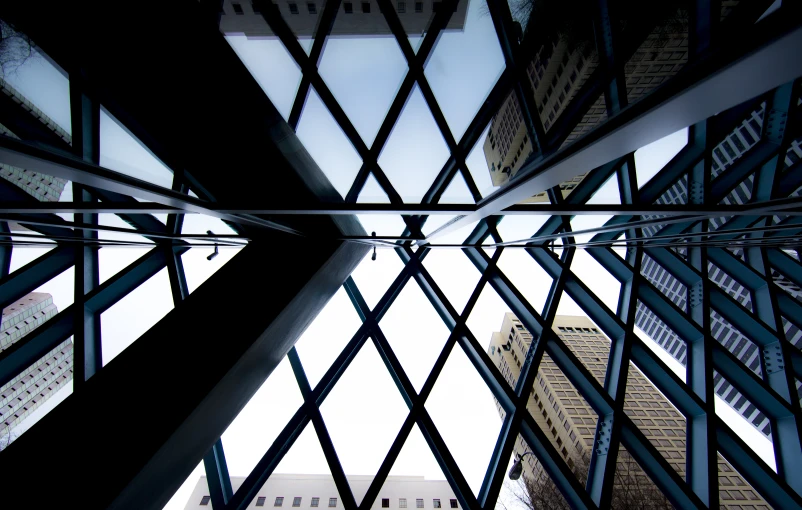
x=364, y=411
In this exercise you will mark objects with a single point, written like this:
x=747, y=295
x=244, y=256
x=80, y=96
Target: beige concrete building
x=319, y=491
x=570, y=422
x=31, y=388
x=355, y=18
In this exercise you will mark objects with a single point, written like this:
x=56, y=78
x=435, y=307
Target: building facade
x=31, y=388
x=360, y=18
x=737, y=143
x=44, y=188
x=570, y=423
x=319, y=491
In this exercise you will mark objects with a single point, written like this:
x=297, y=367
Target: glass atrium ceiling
x=547, y=159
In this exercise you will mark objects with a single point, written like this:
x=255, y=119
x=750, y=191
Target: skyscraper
x=32, y=387
x=570, y=423
x=725, y=154
x=44, y=188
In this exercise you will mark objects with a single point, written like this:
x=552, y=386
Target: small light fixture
x=216, y=252
x=374, y=247
x=518, y=467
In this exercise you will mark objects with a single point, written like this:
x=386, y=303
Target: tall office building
x=731, y=149
x=32, y=387
x=570, y=423
x=44, y=188
x=319, y=491
x=359, y=18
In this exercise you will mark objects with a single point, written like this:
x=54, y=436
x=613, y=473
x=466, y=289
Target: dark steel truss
x=762, y=59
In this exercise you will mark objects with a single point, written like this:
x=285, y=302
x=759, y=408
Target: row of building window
x=297, y=500
x=348, y=8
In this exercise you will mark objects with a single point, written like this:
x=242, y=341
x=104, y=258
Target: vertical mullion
x=702, y=453
x=615, y=93
x=85, y=118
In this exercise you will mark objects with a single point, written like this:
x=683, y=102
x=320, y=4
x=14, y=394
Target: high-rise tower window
x=311, y=7
x=237, y=9
x=260, y=501
x=366, y=7
x=402, y=7
x=293, y=8
x=348, y=7
x=418, y=7
x=205, y=500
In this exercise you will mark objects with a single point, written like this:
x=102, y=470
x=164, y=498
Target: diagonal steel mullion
x=325, y=24
x=313, y=411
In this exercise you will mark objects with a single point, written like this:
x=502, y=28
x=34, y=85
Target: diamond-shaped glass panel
x=326, y=337
x=364, y=70
x=608, y=193
x=363, y=414
x=462, y=409
x=471, y=55
x=415, y=332
x=261, y=420
x=531, y=280
x=272, y=68
x=134, y=314
x=122, y=152
x=457, y=192
x=606, y=287
x=454, y=273
x=327, y=144
x=415, y=151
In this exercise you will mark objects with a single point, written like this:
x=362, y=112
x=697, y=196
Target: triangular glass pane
x=22, y=255
x=598, y=279
x=736, y=342
x=527, y=275
x=608, y=193
x=471, y=55
x=490, y=250
x=535, y=488
x=415, y=151
x=303, y=464
x=415, y=475
x=122, y=152
x=659, y=421
x=134, y=314
x=372, y=193
x=670, y=286
x=479, y=166
x=457, y=192
x=272, y=68
x=40, y=85
x=385, y=225
x=415, y=41
x=748, y=423
x=262, y=419
x=454, y=273
x=519, y=227
x=651, y=158
x=112, y=220
x=632, y=487
x=191, y=491
x=661, y=339
x=435, y=221
x=327, y=144
x=245, y=19
x=373, y=277
x=587, y=222
x=415, y=332
x=325, y=338
x=734, y=490
x=363, y=71
x=112, y=260
x=198, y=268
x=462, y=408
x=363, y=414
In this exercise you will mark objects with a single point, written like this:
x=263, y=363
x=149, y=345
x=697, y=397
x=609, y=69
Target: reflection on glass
x=245, y=18
x=122, y=152
x=272, y=68
x=477, y=166
x=461, y=406
x=415, y=332
x=327, y=144
x=134, y=314
x=363, y=414
x=363, y=72
x=415, y=151
x=464, y=66
x=327, y=336
x=261, y=420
